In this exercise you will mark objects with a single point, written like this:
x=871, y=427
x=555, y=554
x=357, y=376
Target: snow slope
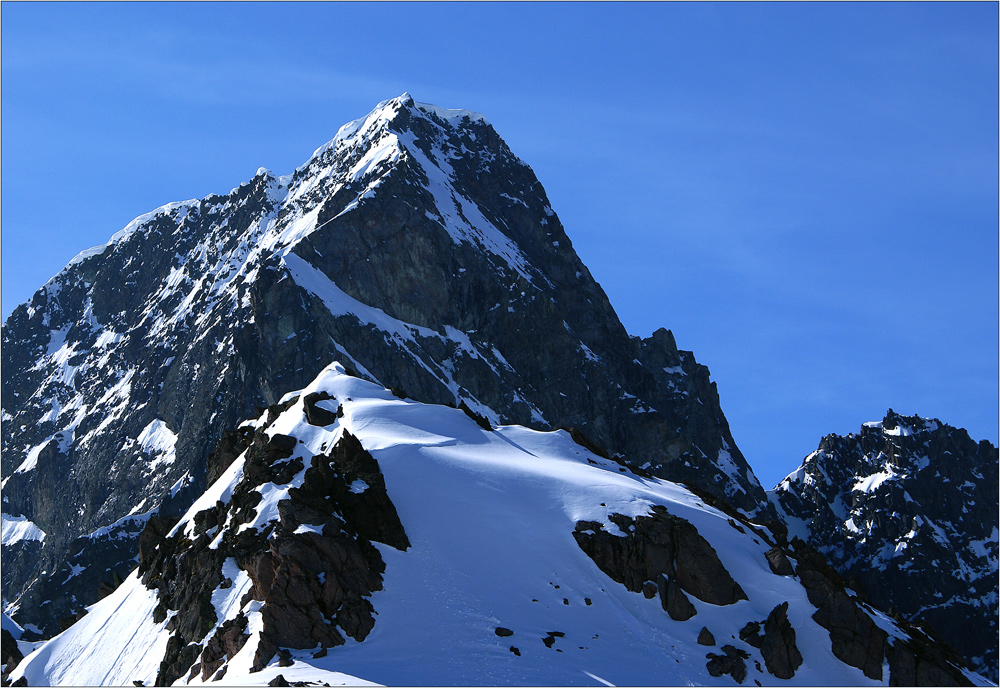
x=490, y=517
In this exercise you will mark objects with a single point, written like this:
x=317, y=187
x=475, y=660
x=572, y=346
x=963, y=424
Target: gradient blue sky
x=806, y=194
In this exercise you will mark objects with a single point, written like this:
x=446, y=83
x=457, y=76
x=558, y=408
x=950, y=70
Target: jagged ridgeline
x=908, y=507
x=414, y=247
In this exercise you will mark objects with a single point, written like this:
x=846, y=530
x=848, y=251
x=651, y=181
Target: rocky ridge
x=344, y=512
x=907, y=507
x=304, y=565
x=415, y=246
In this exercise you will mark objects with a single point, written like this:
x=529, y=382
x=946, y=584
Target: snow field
x=490, y=517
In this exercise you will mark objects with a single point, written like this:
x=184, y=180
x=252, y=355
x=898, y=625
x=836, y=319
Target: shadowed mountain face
x=908, y=506
x=414, y=247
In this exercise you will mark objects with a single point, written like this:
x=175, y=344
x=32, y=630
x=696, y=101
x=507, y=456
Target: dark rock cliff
x=908, y=507
x=414, y=247
x=310, y=564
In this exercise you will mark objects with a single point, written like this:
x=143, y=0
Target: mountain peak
x=394, y=114
x=907, y=500
x=896, y=424
x=415, y=246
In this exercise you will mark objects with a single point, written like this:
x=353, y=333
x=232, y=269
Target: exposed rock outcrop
x=781, y=654
x=10, y=654
x=855, y=638
x=908, y=507
x=228, y=639
x=311, y=564
x=732, y=663
x=776, y=559
x=664, y=551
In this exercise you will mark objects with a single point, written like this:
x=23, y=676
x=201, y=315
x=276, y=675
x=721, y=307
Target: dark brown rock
x=10, y=654
x=152, y=535
x=176, y=660
x=227, y=640
x=699, y=570
x=370, y=511
x=659, y=545
x=750, y=634
x=780, y=653
x=922, y=662
x=674, y=601
x=503, y=632
x=776, y=559
x=316, y=415
x=705, y=636
x=732, y=663
x=232, y=444
x=266, y=459
x=314, y=585
x=581, y=438
x=855, y=638
x=481, y=421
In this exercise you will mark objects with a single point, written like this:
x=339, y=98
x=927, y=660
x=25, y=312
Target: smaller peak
x=403, y=100
x=898, y=425
x=263, y=171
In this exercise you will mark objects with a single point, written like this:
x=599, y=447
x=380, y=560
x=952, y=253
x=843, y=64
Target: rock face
x=908, y=508
x=660, y=552
x=10, y=654
x=415, y=247
x=781, y=654
x=732, y=663
x=860, y=642
x=307, y=558
x=777, y=645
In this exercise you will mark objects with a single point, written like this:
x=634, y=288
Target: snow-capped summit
x=386, y=111
x=415, y=247
x=908, y=506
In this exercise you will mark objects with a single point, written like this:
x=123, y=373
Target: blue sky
x=806, y=194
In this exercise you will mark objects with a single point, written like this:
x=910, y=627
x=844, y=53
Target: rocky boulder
x=10, y=654
x=732, y=662
x=781, y=655
x=662, y=550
